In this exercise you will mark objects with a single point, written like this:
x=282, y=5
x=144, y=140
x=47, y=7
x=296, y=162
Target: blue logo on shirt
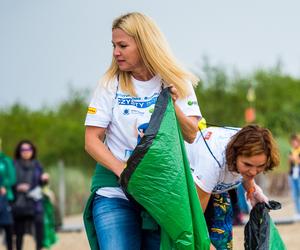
x=126, y=112
x=141, y=130
x=129, y=101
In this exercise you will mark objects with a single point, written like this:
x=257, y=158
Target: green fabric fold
x=159, y=178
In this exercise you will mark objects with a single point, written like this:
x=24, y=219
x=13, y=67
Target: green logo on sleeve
x=190, y=102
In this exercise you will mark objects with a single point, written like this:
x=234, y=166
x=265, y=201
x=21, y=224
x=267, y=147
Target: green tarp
x=158, y=177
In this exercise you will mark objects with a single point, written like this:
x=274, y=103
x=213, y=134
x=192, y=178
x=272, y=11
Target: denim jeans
x=295, y=188
x=118, y=226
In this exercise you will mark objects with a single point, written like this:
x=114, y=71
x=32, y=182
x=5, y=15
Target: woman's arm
x=254, y=192
x=203, y=197
x=188, y=124
x=94, y=145
x=249, y=184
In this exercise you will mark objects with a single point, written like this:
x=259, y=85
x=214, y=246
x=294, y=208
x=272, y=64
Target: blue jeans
x=118, y=226
x=295, y=188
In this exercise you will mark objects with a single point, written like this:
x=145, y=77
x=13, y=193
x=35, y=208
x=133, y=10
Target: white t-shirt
x=126, y=117
x=207, y=173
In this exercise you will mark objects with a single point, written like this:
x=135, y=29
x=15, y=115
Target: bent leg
x=219, y=217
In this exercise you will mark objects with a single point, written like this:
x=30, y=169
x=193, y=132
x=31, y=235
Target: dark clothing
x=5, y=212
x=21, y=226
x=29, y=172
x=8, y=229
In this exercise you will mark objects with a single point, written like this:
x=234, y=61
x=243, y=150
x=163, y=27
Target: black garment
x=8, y=229
x=29, y=172
x=20, y=230
x=25, y=171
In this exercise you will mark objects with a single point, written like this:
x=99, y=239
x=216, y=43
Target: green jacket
x=7, y=175
x=102, y=178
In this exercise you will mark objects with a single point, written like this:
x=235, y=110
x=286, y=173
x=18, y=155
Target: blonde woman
x=119, y=112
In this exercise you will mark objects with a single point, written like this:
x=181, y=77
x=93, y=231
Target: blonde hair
x=155, y=53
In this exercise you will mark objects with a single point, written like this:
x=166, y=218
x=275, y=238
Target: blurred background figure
x=294, y=179
x=49, y=200
x=7, y=180
x=28, y=204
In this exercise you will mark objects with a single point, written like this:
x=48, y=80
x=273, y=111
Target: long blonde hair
x=155, y=53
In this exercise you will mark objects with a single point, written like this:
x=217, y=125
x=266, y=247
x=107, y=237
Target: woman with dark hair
x=220, y=160
x=28, y=207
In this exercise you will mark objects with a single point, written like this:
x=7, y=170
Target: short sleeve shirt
x=208, y=163
x=127, y=117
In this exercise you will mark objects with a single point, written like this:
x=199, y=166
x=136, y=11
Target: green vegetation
x=58, y=133
x=223, y=100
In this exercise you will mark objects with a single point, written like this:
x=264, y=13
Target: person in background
x=118, y=116
x=294, y=174
x=220, y=160
x=50, y=236
x=28, y=206
x=7, y=181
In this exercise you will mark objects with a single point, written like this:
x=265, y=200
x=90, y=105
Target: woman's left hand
x=2, y=191
x=174, y=92
x=45, y=177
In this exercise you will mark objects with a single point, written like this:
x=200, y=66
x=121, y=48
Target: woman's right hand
x=258, y=196
x=120, y=170
x=2, y=191
x=95, y=147
x=23, y=187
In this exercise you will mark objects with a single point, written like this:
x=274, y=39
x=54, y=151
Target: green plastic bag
x=158, y=177
x=50, y=237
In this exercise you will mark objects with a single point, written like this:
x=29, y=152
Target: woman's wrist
x=121, y=168
x=250, y=191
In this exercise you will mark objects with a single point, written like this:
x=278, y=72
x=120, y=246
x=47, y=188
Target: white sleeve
x=189, y=105
x=205, y=170
x=100, y=109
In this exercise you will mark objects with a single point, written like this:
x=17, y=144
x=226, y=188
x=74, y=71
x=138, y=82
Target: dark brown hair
x=249, y=141
x=18, y=149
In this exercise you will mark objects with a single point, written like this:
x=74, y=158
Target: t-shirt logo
x=141, y=131
x=126, y=112
x=208, y=135
x=92, y=110
x=190, y=102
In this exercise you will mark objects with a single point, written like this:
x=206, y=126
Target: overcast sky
x=48, y=45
